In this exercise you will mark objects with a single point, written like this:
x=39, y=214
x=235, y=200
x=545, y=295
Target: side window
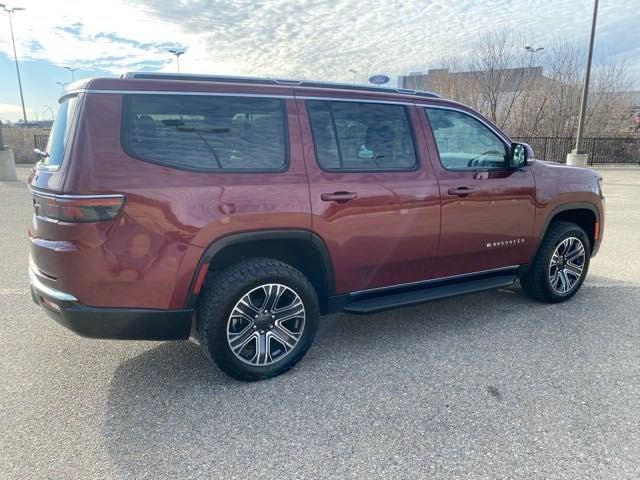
x=464, y=143
x=361, y=136
x=209, y=133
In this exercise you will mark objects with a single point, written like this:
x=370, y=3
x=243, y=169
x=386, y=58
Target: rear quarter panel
x=148, y=257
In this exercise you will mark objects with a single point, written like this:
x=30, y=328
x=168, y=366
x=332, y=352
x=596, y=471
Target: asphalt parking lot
x=491, y=385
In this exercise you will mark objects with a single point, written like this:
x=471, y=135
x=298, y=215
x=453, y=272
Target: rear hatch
x=63, y=222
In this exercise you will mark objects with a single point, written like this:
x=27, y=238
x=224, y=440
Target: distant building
x=511, y=79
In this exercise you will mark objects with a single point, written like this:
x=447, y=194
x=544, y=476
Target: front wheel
x=561, y=264
x=257, y=318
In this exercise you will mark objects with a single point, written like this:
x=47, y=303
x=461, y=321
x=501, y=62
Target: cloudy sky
x=287, y=38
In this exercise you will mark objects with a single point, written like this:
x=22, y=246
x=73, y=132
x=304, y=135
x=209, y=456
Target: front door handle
x=339, y=197
x=461, y=191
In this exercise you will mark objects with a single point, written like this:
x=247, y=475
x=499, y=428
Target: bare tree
x=509, y=86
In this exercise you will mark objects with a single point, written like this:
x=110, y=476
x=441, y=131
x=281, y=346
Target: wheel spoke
x=574, y=270
x=575, y=254
x=246, y=308
x=294, y=310
x=285, y=337
x=566, y=283
x=263, y=355
x=239, y=341
x=272, y=294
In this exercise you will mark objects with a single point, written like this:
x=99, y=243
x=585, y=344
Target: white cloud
x=9, y=111
x=299, y=38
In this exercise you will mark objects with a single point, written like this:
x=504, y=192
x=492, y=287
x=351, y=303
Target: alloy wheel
x=266, y=324
x=567, y=264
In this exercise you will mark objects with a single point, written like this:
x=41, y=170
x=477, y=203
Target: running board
x=388, y=301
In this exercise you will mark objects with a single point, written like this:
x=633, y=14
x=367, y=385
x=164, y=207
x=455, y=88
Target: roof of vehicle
x=275, y=81
x=194, y=83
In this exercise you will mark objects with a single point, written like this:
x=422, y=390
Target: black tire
x=219, y=297
x=536, y=281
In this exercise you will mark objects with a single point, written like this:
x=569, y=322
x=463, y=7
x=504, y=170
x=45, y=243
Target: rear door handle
x=461, y=191
x=339, y=197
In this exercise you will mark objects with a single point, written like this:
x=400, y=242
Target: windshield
x=60, y=133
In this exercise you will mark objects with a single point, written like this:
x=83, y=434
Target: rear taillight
x=77, y=208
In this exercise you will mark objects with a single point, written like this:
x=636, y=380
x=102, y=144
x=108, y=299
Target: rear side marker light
x=596, y=230
x=50, y=304
x=202, y=273
x=77, y=208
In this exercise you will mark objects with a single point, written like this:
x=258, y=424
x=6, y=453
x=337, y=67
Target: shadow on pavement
x=170, y=408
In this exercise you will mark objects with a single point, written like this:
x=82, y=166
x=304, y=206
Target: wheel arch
x=585, y=215
x=301, y=249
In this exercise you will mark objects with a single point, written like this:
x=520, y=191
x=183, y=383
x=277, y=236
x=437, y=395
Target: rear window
x=206, y=133
x=60, y=133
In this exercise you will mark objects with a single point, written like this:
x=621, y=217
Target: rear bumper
x=110, y=323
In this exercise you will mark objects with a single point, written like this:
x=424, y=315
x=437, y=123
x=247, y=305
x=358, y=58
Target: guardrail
x=601, y=150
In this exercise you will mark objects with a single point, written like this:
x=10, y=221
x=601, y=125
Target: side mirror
x=519, y=155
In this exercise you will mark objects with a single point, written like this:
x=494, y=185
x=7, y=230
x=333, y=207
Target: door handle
x=461, y=191
x=339, y=197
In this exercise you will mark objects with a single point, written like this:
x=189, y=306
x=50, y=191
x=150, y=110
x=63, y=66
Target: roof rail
x=273, y=81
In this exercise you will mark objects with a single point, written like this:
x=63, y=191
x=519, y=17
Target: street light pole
x=10, y=10
x=63, y=86
x=354, y=75
x=177, y=53
x=47, y=107
x=72, y=70
x=585, y=88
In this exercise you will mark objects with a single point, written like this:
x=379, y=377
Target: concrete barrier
x=577, y=159
x=7, y=166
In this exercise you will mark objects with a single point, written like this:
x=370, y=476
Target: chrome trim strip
x=40, y=287
x=355, y=100
x=191, y=93
x=70, y=196
x=252, y=95
x=470, y=114
x=434, y=280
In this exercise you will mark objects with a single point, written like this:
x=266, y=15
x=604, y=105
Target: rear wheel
x=257, y=318
x=561, y=264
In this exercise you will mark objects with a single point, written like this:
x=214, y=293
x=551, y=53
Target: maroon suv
x=247, y=208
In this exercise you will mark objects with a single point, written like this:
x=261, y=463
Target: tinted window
x=464, y=142
x=206, y=132
x=361, y=136
x=60, y=133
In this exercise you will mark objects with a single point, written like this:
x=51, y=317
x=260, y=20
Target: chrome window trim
x=433, y=280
